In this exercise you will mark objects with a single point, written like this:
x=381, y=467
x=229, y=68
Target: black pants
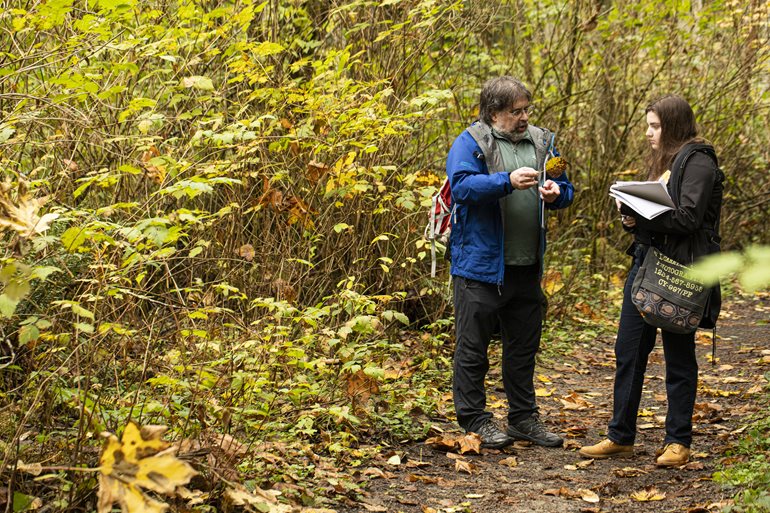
x=633, y=345
x=516, y=307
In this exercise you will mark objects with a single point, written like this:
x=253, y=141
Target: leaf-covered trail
x=576, y=399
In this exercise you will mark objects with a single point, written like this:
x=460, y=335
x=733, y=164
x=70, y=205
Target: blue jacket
x=478, y=182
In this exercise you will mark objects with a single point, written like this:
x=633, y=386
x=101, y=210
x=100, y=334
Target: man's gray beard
x=514, y=137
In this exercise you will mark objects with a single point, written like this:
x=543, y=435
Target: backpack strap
x=482, y=134
x=676, y=186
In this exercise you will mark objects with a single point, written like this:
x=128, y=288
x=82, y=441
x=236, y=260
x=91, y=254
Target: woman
x=685, y=233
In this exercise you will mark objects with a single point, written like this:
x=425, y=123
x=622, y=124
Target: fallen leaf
x=474, y=495
x=694, y=465
x=262, y=500
x=574, y=401
x=418, y=464
x=629, y=472
x=648, y=494
x=464, y=466
x=442, y=443
x=375, y=472
x=394, y=460
x=470, y=443
x=416, y=478
x=588, y=496
x=509, y=462
x=373, y=507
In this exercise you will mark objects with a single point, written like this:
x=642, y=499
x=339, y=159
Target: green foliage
x=213, y=212
x=752, y=267
x=746, y=469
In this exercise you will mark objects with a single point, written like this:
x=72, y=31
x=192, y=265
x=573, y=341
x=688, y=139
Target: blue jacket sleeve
x=468, y=176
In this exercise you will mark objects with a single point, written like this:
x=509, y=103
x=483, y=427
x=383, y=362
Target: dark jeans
x=479, y=309
x=633, y=345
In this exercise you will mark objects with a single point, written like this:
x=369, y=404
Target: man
x=497, y=245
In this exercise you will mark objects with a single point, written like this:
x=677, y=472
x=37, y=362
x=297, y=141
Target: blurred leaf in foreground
x=140, y=460
x=752, y=267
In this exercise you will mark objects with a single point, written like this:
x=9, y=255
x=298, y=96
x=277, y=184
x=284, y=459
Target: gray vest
x=482, y=134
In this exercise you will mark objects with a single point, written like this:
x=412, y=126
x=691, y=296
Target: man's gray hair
x=499, y=94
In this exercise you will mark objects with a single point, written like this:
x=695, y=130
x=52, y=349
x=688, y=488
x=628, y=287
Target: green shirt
x=520, y=219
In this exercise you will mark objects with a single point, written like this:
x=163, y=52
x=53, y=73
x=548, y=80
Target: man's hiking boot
x=673, y=455
x=533, y=430
x=607, y=449
x=492, y=437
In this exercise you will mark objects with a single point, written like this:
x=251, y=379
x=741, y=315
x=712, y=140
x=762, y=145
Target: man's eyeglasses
x=517, y=113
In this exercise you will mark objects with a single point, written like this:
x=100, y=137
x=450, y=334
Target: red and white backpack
x=440, y=224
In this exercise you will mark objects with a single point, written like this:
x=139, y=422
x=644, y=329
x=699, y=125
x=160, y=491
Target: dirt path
x=576, y=399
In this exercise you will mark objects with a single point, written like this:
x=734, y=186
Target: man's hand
x=550, y=191
x=523, y=178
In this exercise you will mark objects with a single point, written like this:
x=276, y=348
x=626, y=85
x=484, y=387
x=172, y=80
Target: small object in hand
x=556, y=166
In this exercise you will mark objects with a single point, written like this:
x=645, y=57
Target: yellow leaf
x=262, y=499
x=648, y=494
x=139, y=460
x=22, y=215
x=543, y=392
x=552, y=282
x=509, y=462
x=163, y=474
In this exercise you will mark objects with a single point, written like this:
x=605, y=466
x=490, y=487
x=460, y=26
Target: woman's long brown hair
x=677, y=128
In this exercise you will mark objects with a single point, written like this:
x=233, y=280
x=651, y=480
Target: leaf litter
x=575, y=400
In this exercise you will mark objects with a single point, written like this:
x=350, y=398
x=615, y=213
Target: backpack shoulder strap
x=482, y=134
x=677, y=168
x=544, y=144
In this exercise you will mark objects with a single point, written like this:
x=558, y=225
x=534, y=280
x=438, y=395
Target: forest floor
x=575, y=399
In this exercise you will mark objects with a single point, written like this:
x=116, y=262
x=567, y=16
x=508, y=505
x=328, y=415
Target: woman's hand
x=628, y=221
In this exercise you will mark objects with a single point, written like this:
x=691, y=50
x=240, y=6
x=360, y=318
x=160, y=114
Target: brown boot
x=607, y=449
x=673, y=455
